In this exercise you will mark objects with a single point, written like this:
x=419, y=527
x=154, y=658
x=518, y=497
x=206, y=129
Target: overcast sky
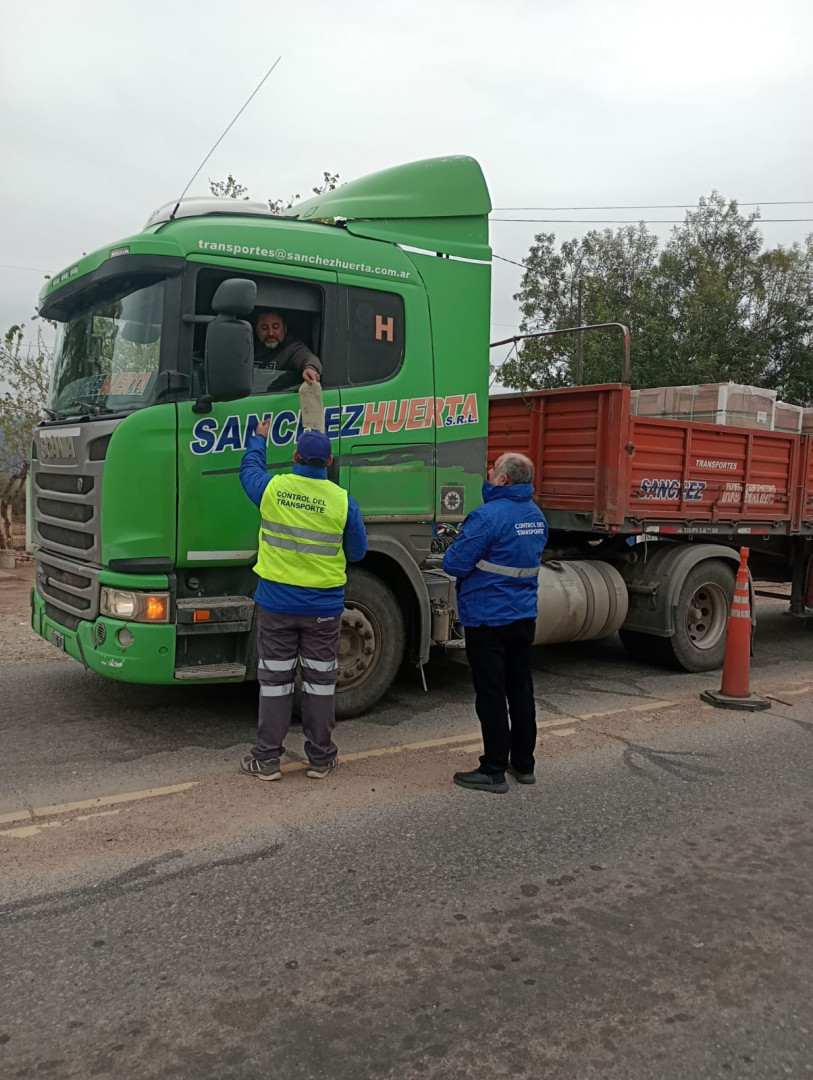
x=107, y=109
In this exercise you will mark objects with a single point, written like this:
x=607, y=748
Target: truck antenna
x=231, y=124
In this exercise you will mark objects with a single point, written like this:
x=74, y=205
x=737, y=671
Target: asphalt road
x=69, y=734
x=644, y=911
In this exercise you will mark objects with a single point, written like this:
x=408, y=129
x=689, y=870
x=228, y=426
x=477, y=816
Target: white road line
x=110, y=800
x=83, y=804
x=31, y=830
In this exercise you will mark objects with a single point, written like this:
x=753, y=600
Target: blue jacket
x=297, y=599
x=509, y=530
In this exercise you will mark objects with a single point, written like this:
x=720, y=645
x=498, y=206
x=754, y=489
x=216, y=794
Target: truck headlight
x=135, y=606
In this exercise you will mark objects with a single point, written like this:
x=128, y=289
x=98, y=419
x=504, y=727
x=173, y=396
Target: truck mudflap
x=680, y=599
x=655, y=579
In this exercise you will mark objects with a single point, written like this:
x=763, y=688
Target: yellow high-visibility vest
x=301, y=533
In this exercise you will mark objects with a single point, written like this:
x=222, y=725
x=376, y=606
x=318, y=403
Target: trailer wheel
x=701, y=618
x=371, y=645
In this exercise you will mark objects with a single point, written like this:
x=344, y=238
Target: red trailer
x=668, y=502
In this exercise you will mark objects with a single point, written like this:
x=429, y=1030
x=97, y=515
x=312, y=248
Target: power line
x=33, y=269
x=655, y=206
x=628, y=221
x=514, y=263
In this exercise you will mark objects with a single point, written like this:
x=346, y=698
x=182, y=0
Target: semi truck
x=145, y=541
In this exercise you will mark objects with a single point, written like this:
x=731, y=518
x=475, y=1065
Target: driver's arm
x=301, y=359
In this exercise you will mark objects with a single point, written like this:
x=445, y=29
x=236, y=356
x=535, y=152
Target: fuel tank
x=579, y=601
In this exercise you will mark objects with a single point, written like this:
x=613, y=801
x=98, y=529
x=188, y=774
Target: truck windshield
x=106, y=358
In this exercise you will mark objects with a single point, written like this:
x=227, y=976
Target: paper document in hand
x=310, y=404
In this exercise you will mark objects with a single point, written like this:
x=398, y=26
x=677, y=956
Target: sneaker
x=263, y=770
x=521, y=777
x=319, y=772
x=479, y=781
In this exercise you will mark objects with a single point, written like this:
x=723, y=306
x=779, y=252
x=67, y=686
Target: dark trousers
x=311, y=643
x=500, y=661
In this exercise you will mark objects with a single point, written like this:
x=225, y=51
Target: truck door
x=217, y=524
x=387, y=424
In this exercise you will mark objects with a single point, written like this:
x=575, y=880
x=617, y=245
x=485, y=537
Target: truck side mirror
x=229, y=350
x=229, y=358
x=235, y=296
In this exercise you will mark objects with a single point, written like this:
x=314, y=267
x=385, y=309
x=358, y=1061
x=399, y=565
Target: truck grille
x=64, y=537
x=68, y=485
x=62, y=617
x=65, y=519
x=69, y=589
x=67, y=466
x=67, y=511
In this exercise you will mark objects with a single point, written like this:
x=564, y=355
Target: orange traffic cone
x=735, y=691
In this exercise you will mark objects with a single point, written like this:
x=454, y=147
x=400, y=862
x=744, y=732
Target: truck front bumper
x=149, y=658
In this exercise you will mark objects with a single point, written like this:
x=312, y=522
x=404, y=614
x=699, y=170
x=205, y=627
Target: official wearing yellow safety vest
x=309, y=529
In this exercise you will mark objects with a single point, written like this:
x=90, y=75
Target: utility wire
x=498, y=368
x=655, y=206
x=627, y=221
x=33, y=269
x=513, y=262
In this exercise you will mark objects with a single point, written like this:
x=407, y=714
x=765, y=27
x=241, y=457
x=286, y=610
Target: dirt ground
x=18, y=642
x=224, y=806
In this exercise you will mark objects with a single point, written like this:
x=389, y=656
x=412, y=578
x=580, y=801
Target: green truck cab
x=145, y=541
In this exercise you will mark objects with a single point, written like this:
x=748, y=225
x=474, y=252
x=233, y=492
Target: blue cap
x=314, y=447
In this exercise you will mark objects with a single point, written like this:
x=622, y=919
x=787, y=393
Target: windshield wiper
x=93, y=407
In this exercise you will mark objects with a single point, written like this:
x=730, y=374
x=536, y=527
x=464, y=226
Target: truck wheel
x=701, y=618
x=371, y=645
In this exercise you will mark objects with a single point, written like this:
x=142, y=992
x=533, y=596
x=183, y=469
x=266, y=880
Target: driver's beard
x=271, y=344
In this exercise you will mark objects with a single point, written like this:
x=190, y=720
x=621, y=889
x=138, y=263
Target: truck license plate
x=58, y=639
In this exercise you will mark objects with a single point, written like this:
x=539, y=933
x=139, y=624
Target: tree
x=615, y=272
x=711, y=306
x=788, y=285
x=711, y=279
x=737, y=312
x=234, y=190
x=228, y=188
x=24, y=369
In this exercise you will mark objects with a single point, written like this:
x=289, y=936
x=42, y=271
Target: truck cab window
x=376, y=335
x=289, y=317
x=106, y=357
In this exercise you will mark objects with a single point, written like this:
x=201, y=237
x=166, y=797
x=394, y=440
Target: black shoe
x=319, y=772
x=263, y=770
x=479, y=781
x=521, y=777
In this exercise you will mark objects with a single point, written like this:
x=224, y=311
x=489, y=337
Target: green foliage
x=711, y=305
x=228, y=188
x=616, y=270
x=25, y=368
x=234, y=190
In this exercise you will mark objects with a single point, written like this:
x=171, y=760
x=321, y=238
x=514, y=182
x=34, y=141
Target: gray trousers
x=312, y=641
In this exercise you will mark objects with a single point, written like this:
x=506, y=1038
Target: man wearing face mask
x=274, y=350
x=496, y=561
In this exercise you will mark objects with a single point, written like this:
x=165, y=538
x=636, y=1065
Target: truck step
x=222, y=607
x=215, y=615
x=212, y=671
